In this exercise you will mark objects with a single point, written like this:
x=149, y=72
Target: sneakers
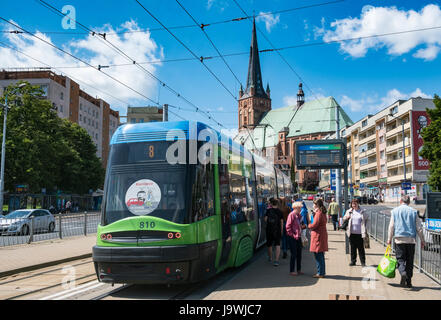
x=352, y=264
x=363, y=264
x=276, y=263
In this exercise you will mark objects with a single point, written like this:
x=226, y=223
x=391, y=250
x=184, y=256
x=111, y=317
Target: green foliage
x=45, y=151
x=432, y=144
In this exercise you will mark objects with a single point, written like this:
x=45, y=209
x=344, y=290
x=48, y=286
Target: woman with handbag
x=356, y=231
x=294, y=226
x=319, y=237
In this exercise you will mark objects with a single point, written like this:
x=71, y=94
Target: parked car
x=19, y=221
x=311, y=197
x=372, y=200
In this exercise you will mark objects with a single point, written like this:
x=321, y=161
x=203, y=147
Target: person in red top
x=319, y=237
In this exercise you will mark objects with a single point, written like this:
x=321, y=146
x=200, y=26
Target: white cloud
x=269, y=19
x=289, y=101
x=230, y=132
x=374, y=104
x=381, y=20
x=138, y=45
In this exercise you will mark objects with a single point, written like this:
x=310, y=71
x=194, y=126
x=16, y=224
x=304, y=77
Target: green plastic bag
x=387, y=264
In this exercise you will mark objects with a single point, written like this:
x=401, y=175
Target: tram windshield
x=140, y=182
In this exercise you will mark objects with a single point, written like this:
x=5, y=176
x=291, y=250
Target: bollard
x=31, y=231
x=60, y=231
x=85, y=223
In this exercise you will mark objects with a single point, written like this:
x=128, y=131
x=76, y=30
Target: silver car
x=19, y=221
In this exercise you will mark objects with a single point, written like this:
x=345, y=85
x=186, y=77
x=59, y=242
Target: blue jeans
x=320, y=263
x=284, y=239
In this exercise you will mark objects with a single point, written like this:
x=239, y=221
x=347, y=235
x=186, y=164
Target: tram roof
x=173, y=130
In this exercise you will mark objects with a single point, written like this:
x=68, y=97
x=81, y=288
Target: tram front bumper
x=150, y=265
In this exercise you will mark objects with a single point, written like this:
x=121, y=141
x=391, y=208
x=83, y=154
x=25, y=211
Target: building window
x=363, y=148
x=394, y=110
x=381, y=139
x=61, y=95
x=81, y=118
x=133, y=120
x=141, y=120
x=382, y=155
x=363, y=161
x=364, y=123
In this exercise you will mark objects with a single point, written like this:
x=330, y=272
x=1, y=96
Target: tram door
x=224, y=188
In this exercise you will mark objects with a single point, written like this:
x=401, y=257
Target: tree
x=432, y=144
x=45, y=151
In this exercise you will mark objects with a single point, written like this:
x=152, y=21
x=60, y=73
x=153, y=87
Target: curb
x=43, y=265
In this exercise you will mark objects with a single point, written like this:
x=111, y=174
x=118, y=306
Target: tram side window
x=261, y=195
x=237, y=199
x=203, y=192
x=249, y=190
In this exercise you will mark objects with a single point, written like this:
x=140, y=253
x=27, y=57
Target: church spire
x=254, y=80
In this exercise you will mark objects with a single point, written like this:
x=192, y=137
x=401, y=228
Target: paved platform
x=26, y=257
x=258, y=280
x=262, y=281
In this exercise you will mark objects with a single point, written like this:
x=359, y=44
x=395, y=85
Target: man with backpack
x=274, y=229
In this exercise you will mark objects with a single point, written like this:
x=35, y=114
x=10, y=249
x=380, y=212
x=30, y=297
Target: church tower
x=254, y=101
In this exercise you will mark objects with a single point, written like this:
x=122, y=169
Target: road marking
x=79, y=291
x=70, y=290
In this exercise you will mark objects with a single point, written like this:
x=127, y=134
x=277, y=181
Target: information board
x=320, y=154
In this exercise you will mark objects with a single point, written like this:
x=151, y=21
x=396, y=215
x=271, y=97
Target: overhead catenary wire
x=121, y=52
x=264, y=50
x=284, y=60
x=79, y=59
x=208, y=38
x=238, y=19
x=188, y=49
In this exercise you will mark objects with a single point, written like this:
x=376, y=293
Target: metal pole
x=60, y=232
x=31, y=237
x=165, y=113
x=338, y=171
x=2, y=173
x=346, y=204
x=85, y=223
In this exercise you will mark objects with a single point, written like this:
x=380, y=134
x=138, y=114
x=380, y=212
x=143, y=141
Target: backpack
x=273, y=222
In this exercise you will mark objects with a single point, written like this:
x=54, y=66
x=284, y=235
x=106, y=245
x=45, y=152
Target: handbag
x=304, y=238
x=387, y=264
x=366, y=242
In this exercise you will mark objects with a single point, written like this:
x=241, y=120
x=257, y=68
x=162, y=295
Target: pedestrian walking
x=356, y=231
x=274, y=229
x=319, y=237
x=285, y=212
x=404, y=226
x=294, y=226
x=333, y=211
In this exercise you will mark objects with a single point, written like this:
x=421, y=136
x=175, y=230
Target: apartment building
x=70, y=102
x=378, y=160
x=144, y=114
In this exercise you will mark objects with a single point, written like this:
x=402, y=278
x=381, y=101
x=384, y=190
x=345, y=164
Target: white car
x=19, y=221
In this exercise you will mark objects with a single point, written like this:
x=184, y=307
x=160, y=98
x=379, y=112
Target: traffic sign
x=406, y=186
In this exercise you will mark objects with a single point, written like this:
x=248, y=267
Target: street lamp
x=404, y=149
x=2, y=172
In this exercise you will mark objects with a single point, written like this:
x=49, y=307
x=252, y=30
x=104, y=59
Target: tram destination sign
x=320, y=154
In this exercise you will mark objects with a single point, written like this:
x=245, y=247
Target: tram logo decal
x=143, y=197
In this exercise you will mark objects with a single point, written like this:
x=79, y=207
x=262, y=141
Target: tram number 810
x=147, y=225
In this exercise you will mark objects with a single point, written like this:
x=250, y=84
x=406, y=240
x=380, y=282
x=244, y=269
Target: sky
x=394, y=52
